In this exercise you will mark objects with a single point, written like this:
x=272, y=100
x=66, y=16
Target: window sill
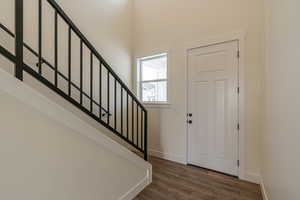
x=156, y=105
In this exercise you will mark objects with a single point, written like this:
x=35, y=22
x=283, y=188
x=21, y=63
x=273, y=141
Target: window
x=153, y=78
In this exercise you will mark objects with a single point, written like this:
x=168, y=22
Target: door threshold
x=233, y=176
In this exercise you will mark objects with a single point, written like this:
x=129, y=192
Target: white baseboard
x=133, y=192
x=263, y=190
x=167, y=156
x=252, y=177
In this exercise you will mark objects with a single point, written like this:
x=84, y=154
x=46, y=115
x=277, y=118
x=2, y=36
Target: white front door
x=213, y=107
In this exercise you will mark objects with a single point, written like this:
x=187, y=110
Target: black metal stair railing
x=128, y=119
x=4, y=28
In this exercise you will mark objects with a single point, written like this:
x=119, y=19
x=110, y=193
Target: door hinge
x=238, y=90
x=238, y=163
x=238, y=54
x=238, y=126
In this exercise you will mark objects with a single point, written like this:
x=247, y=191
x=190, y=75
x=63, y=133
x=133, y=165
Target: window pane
x=155, y=68
x=155, y=91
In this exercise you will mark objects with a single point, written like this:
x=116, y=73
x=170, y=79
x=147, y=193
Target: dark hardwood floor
x=172, y=181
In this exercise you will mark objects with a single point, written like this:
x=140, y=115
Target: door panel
x=213, y=101
x=202, y=122
x=220, y=109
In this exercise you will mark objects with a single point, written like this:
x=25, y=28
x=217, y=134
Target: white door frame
x=240, y=38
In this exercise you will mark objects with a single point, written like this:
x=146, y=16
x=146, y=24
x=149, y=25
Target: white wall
x=170, y=25
x=280, y=138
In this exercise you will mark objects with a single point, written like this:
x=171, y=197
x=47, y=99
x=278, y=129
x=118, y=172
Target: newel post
x=146, y=137
x=19, y=38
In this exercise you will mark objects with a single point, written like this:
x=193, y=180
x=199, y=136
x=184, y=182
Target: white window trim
x=139, y=82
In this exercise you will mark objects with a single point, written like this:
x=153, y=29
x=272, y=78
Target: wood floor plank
x=173, y=181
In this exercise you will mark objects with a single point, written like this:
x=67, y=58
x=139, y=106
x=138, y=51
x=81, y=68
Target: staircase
x=113, y=105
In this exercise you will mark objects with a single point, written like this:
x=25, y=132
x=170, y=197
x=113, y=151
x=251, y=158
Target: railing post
x=146, y=137
x=19, y=39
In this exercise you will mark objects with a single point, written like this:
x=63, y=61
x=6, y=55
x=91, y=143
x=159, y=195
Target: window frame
x=140, y=82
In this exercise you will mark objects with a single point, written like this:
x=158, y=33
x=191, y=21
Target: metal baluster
x=69, y=61
x=137, y=124
x=91, y=83
x=121, y=110
x=127, y=118
x=100, y=91
x=115, y=104
x=40, y=36
x=55, y=48
x=108, y=98
x=132, y=123
x=81, y=72
x=142, y=126
x=146, y=137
